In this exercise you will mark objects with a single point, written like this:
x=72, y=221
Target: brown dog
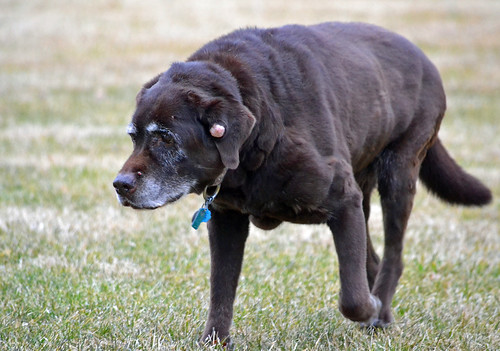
x=297, y=124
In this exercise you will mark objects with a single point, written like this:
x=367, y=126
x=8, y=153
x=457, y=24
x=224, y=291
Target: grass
x=79, y=272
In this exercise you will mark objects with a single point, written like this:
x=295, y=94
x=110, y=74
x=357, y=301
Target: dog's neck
x=219, y=179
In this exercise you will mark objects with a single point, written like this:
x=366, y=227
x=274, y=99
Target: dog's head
x=187, y=130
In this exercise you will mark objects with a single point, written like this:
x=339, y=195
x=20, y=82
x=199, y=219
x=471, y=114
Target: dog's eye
x=132, y=131
x=133, y=136
x=167, y=138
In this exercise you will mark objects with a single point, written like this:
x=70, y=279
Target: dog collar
x=204, y=214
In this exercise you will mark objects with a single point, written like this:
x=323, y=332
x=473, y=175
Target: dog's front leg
x=227, y=232
x=349, y=233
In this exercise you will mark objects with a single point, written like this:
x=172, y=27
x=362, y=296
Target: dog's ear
x=234, y=130
x=230, y=124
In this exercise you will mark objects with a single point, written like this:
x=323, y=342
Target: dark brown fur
x=315, y=118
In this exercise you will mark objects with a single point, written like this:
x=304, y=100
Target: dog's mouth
x=150, y=204
x=128, y=203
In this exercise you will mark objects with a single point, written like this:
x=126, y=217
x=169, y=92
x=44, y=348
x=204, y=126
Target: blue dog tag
x=204, y=214
x=200, y=216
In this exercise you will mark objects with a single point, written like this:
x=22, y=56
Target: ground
x=77, y=271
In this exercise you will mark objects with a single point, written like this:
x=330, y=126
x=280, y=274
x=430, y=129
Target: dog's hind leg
x=397, y=178
x=372, y=259
x=228, y=232
x=367, y=180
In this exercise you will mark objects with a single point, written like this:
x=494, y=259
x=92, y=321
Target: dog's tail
x=445, y=178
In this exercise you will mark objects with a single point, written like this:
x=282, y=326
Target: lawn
x=79, y=272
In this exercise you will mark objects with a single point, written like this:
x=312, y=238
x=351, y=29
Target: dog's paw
x=213, y=342
x=374, y=320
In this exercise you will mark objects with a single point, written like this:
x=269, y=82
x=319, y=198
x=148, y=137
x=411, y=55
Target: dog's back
x=356, y=77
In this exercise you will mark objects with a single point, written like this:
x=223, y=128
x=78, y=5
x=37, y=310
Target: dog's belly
x=265, y=223
x=270, y=213
x=268, y=223
x=270, y=216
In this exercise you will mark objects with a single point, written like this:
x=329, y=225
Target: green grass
x=79, y=272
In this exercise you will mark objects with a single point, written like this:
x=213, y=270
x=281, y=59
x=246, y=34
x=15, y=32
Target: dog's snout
x=125, y=183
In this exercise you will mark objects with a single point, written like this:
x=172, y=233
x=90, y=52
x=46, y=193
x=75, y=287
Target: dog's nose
x=125, y=183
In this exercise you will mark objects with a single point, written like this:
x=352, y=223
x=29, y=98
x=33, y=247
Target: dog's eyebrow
x=152, y=127
x=131, y=129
